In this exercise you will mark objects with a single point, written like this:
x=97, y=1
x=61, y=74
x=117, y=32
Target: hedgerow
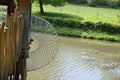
x=71, y=23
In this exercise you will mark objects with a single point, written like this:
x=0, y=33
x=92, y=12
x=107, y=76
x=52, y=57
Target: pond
x=82, y=59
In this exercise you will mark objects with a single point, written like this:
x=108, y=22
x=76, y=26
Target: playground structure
x=15, y=39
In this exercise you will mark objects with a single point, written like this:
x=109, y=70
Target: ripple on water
x=68, y=64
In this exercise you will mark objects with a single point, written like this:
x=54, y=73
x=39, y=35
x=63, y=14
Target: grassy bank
x=87, y=13
x=88, y=22
x=77, y=28
x=88, y=34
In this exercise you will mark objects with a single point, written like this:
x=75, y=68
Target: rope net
x=44, y=47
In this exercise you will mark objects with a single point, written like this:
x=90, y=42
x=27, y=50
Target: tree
x=54, y=3
x=78, y=1
x=99, y=3
x=118, y=3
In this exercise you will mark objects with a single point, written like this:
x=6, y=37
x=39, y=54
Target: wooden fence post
x=11, y=46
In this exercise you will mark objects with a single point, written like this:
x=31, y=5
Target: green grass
x=3, y=7
x=82, y=13
x=88, y=34
x=87, y=13
x=59, y=15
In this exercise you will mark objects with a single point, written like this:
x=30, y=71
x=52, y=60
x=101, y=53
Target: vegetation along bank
x=85, y=26
x=88, y=29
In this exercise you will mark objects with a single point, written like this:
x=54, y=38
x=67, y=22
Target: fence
x=10, y=44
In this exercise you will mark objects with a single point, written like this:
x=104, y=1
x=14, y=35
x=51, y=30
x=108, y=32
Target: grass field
x=87, y=13
x=82, y=13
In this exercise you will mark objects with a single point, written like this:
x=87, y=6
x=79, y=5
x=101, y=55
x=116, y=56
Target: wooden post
x=11, y=42
x=25, y=9
x=4, y=54
x=1, y=51
x=11, y=6
x=7, y=56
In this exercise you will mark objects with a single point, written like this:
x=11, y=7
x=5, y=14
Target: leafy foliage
x=99, y=3
x=105, y=3
x=99, y=26
x=52, y=2
x=76, y=28
x=55, y=3
x=78, y=1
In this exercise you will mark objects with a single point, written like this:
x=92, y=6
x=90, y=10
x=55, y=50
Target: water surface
x=82, y=59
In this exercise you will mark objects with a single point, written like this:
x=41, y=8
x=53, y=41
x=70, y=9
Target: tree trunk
x=41, y=7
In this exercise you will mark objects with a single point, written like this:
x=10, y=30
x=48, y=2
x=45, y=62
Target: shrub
x=78, y=24
x=78, y=1
x=77, y=28
x=99, y=3
x=118, y=3
x=113, y=4
x=105, y=3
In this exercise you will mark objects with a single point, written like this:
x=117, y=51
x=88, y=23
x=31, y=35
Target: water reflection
x=81, y=59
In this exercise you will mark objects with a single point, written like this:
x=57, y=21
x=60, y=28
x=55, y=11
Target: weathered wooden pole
x=15, y=39
x=4, y=52
x=1, y=51
x=11, y=6
x=25, y=10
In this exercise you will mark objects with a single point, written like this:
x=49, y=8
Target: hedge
x=71, y=23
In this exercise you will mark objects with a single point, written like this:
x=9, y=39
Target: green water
x=82, y=59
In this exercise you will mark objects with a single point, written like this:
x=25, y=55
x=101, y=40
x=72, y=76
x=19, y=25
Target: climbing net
x=44, y=47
